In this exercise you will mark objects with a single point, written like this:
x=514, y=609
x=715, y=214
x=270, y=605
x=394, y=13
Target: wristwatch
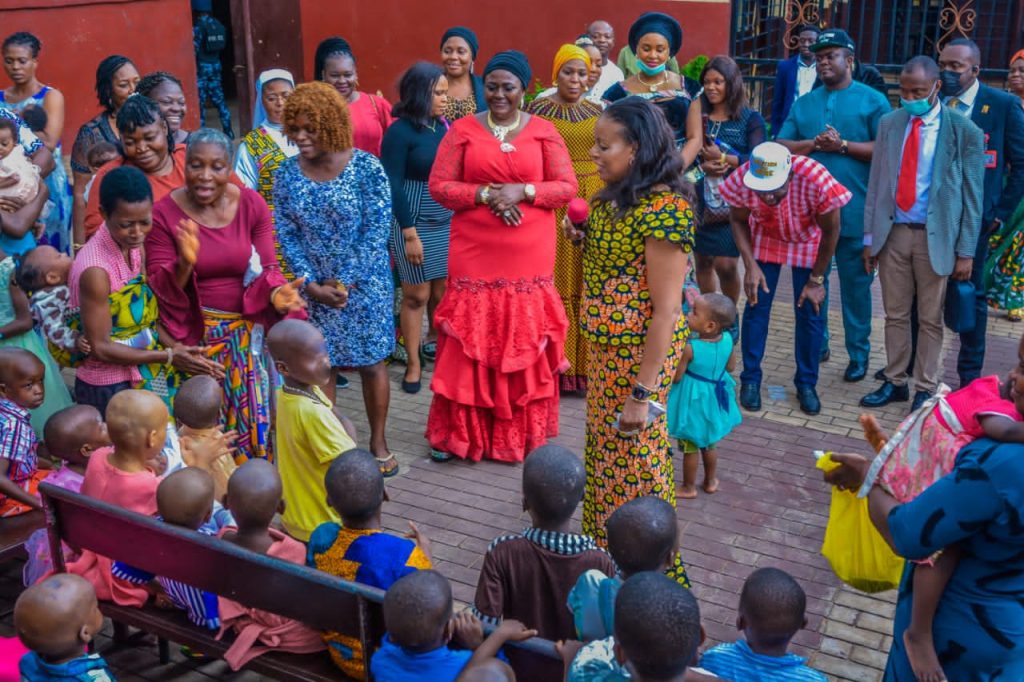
x=845, y=148
x=531, y=193
x=641, y=393
x=485, y=193
x=816, y=280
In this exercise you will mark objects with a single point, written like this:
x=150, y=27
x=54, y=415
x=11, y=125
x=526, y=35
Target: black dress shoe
x=826, y=354
x=919, y=399
x=411, y=387
x=750, y=397
x=880, y=375
x=808, y=398
x=887, y=393
x=856, y=371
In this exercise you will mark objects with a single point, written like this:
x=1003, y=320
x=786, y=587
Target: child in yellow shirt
x=308, y=435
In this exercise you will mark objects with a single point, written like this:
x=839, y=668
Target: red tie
x=906, y=185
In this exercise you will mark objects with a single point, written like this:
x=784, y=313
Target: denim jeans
x=807, y=339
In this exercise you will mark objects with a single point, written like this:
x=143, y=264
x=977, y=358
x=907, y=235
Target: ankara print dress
x=979, y=624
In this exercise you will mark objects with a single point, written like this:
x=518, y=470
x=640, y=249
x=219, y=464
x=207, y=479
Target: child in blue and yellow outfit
x=358, y=549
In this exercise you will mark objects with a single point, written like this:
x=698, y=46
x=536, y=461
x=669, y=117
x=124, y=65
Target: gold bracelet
x=637, y=400
x=170, y=355
x=273, y=294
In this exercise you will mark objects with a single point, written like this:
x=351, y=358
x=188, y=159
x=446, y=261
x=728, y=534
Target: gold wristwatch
x=531, y=193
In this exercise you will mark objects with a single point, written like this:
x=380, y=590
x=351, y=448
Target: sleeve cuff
x=868, y=238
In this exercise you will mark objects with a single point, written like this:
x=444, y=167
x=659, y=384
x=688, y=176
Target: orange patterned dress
x=575, y=123
x=616, y=312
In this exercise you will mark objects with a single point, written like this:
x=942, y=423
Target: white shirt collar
x=968, y=96
x=931, y=116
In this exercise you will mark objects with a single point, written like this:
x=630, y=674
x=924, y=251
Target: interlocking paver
x=771, y=511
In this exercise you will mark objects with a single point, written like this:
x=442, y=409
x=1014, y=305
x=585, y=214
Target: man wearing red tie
x=921, y=223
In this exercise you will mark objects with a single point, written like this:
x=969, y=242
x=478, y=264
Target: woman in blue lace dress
x=332, y=209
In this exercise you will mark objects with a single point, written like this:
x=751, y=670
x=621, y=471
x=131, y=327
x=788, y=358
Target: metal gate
x=887, y=32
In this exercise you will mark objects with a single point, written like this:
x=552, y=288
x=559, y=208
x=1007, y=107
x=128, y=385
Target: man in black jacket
x=1000, y=117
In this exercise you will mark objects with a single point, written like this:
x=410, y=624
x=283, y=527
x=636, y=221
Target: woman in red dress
x=501, y=325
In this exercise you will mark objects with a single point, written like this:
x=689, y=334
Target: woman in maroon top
x=210, y=258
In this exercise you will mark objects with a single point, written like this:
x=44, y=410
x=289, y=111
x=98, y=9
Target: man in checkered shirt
x=784, y=211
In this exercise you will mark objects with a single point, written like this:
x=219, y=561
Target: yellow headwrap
x=567, y=53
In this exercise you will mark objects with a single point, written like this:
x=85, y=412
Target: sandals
x=385, y=470
x=441, y=455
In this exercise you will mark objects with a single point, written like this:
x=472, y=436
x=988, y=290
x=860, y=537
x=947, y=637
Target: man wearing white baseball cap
x=784, y=211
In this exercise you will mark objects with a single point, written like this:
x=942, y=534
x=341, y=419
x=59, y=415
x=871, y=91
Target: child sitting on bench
x=308, y=435
x=418, y=615
x=197, y=407
x=121, y=475
x=528, y=576
x=21, y=390
x=357, y=549
x=184, y=499
x=643, y=535
x=254, y=496
x=657, y=634
x=71, y=436
x=57, y=619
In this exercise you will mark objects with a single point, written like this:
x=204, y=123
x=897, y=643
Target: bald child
x=184, y=499
x=197, y=408
x=308, y=435
x=21, y=390
x=121, y=475
x=57, y=619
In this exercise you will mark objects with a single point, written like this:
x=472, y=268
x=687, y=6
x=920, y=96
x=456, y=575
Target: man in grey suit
x=921, y=223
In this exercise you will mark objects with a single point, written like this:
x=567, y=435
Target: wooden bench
x=15, y=531
x=317, y=599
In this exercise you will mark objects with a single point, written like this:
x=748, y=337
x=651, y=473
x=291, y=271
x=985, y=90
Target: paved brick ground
x=771, y=510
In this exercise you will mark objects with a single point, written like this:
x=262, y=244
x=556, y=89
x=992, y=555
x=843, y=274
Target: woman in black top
x=419, y=239
x=116, y=78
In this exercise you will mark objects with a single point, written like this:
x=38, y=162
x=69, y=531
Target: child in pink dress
x=137, y=424
x=71, y=436
x=923, y=450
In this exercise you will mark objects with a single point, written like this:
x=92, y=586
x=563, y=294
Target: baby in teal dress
x=702, y=406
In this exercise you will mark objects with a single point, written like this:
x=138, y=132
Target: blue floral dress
x=339, y=230
x=979, y=624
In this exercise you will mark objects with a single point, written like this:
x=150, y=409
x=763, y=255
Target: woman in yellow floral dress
x=635, y=258
x=574, y=117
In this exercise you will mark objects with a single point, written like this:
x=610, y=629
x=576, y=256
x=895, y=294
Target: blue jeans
x=809, y=329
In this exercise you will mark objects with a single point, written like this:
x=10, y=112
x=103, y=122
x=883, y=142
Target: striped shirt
x=200, y=605
x=737, y=662
x=18, y=442
x=788, y=232
x=101, y=251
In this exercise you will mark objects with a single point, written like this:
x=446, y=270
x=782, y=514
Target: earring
x=631, y=160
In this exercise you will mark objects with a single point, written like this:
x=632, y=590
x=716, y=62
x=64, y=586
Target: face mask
x=918, y=107
x=950, y=83
x=648, y=71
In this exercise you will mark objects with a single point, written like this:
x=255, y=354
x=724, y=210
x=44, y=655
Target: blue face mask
x=648, y=71
x=918, y=107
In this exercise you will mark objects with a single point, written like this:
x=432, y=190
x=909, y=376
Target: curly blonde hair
x=325, y=110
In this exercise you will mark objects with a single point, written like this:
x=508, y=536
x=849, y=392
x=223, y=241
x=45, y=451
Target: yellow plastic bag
x=859, y=556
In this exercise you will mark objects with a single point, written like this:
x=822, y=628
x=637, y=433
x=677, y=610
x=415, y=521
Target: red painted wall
x=389, y=35
x=77, y=34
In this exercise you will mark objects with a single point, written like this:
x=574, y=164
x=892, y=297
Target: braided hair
x=151, y=81
x=330, y=48
x=139, y=111
x=24, y=39
x=105, y=80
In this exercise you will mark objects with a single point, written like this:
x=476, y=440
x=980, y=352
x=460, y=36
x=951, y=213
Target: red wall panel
x=77, y=34
x=388, y=35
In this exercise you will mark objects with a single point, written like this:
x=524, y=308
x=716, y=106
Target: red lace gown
x=501, y=325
